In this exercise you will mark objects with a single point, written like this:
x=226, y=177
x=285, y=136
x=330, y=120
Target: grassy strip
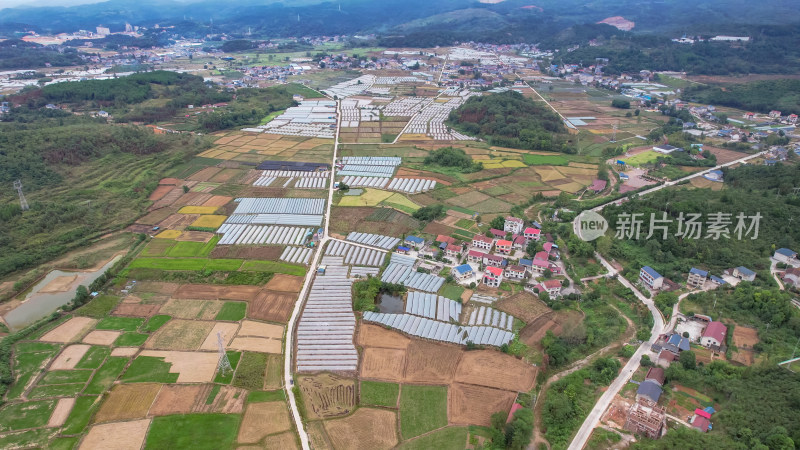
x=379, y=394
x=250, y=373
x=93, y=358
x=98, y=307
x=149, y=369
x=104, y=376
x=266, y=396
x=79, y=417
x=450, y=438
x=120, y=323
x=274, y=267
x=155, y=322
x=422, y=409
x=130, y=339
x=233, y=311
x=234, y=358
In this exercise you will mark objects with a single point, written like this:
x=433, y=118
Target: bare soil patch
x=255, y=344
x=69, y=357
x=272, y=306
x=192, y=309
x=178, y=221
x=229, y=400
x=474, y=405
x=431, y=363
x=328, y=395
x=157, y=287
x=160, y=192
x=283, y=441
x=124, y=351
x=259, y=329
x=285, y=283
x=744, y=337
x=191, y=367
x=195, y=236
x=217, y=200
x=377, y=336
x=533, y=332
x=175, y=399
x=127, y=401
x=383, y=364
x=61, y=412
x=261, y=419
x=70, y=331
x=136, y=309
x=180, y=334
x=117, y=436
x=366, y=429
x=494, y=369
x=216, y=292
x=204, y=174
x=59, y=284
x=101, y=337
x=228, y=331
x=437, y=228
x=523, y=305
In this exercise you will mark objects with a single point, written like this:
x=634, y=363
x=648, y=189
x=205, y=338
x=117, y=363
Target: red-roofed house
x=481, y=241
x=539, y=266
x=503, y=246
x=516, y=407
x=493, y=260
x=532, y=234
x=513, y=225
x=445, y=239
x=519, y=242
x=665, y=358
x=498, y=234
x=714, y=334
x=656, y=374
x=700, y=423
x=515, y=272
x=493, y=276
x=475, y=256
x=552, y=287
x=544, y=256
x=701, y=413
x=453, y=251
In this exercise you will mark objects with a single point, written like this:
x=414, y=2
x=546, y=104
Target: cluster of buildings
x=696, y=279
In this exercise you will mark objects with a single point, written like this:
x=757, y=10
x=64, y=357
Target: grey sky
x=15, y=3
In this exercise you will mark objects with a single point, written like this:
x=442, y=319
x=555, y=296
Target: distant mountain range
x=276, y=18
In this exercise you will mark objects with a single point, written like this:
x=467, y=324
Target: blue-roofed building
x=463, y=271
x=526, y=263
x=786, y=256
x=677, y=343
x=623, y=176
x=403, y=250
x=714, y=175
x=697, y=278
x=648, y=390
x=743, y=273
x=536, y=224
x=652, y=279
x=414, y=242
x=717, y=280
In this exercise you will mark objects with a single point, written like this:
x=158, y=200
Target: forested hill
x=17, y=54
x=509, y=119
x=757, y=96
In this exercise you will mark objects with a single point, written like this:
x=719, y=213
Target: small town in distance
x=477, y=225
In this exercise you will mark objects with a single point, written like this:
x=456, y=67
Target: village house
x=650, y=278
x=538, y=266
x=774, y=114
x=598, y=186
x=676, y=344
x=515, y=272
x=552, y=287
x=656, y=374
x=714, y=335
x=743, y=273
x=786, y=256
x=503, y=246
x=463, y=272
x=701, y=423
x=666, y=149
x=531, y=234
x=544, y=256
x=482, y=242
x=551, y=249
x=428, y=252
x=665, y=358
x=513, y=225
x=647, y=420
x=498, y=234
x=493, y=260
x=475, y=256
x=453, y=252
x=414, y=242
x=519, y=242
x=697, y=278
x=649, y=392
x=493, y=276
x=445, y=239
x=792, y=277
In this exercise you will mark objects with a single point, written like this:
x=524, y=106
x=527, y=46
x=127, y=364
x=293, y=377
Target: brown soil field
x=239, y=252
x=69, y=357
x=101, y=337
x=228, y=331
x=259, y=329
x=284, y=283
x=126, y=352
x=377, y=336
x=160, y=192
x=191, y=367
x=217, y=200
x=272, y=306
x=216, y=292
x=413, y=173
x=178, y=221
x=744, y=337
x=318, y=436
x=437, y=228
x=119, y=436
x=192, y=309
x=61, y=412
x=494, y=369
x=367, y=428
x=255, y=344
x=226, y=175
x=204, y=174
x=59, y=284
x=744, y=357
x=229, y=400
x=282, y=441
x=195, y=236
x=261, y=419
x=383, y=364
x=136, y=310
x=328, y=395
x=431, y=363
x=175, y=399
x=474, y=405
x=170, y=182
x=533, y=332
x=167, y=200
x=127, y=401
x=70, y=331
x=523, y=305
x=180, y=334
x=157, y=287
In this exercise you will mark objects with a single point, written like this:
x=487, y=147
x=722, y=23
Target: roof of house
x=536, y=224
x=649, y=389
x=702, y=413
x=503, y=243
x=656, y=374
x=476, y=253
x=403, y=249
x=516, y=268
x=445, y=239
x=525, y=262
x=551, y=284
x=709, y=409
x=679, y=341
x=531, y=230
x=519, y=240
x=497, y=232
x=454, y=248
x=666, y=354
x=541, y=263
x=541, y=255
x=496, y=271
x=516, y=407
x=716, y=330
x=717, y=279
x=696, y=271
x=745, y=271
x=493, y=257
x=482, y=238
x=415, y=239
x=701, y=423
x=547, y=246
x=650, y=271
x=464, y=268
x=598, y=185
x=786, y=252
x=514, y=219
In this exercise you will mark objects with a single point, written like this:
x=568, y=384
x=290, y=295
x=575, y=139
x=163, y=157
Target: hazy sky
x=14, y=3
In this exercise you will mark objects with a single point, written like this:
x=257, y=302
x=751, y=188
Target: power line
x=22, y=202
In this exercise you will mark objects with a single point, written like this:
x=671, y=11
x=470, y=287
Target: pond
x=39, y=304
x=390, y=304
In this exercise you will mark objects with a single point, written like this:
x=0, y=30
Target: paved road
x=288, y=350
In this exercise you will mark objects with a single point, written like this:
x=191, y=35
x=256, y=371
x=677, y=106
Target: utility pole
x=22, y=202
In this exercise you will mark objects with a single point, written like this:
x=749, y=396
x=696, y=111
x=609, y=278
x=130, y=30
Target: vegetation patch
x=250, y=372
x=19, y=416
x=450, y=438
x=422, y=409
x=156, y=322
x=273, y=267
x=104, y=376
x=233, y=311
x=120, y=323
x=149, y=369
x=131, y=339
x=99, y=307
x=233, y=357
x=379, y=394
x=193, y=431
x=93, y=358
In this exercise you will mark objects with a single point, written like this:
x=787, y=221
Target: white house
x=513, y=225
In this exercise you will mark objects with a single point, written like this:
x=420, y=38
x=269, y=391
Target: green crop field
x=169, y=263
x=642, y=158
x=99, y=306
x=149, y=369
x=233, y=311
x=93, y=358
x=274, y=267
x=104, y=376
x=266, y=396
x=193, y=431
x=20, y=416
x=379, y=394
x=156, y=322
x=250, y=373
x=450, y=438
x=65, y=377
x=545, y=160
x=234, y=358
x=451, y=291
x=131, y=339
x=120, y=323
x=422, y=409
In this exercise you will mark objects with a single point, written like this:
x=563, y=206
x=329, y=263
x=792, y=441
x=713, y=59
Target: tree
x=688, y=360
x=429, y=213
x=621, y=104
x=497, y=223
